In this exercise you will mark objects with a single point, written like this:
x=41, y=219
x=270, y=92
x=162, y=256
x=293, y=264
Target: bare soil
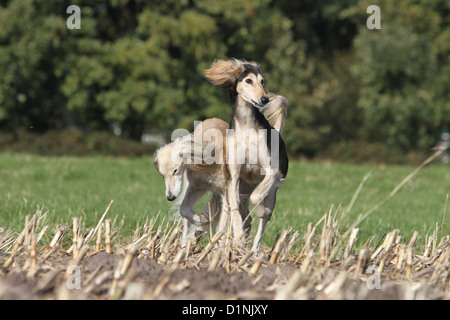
x=187, y=283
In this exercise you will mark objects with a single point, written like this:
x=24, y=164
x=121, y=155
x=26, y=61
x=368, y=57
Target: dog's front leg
x=263, y=199
x=258, y=236
x=185, y=234
x=187, y=207
x=224, y=213
x=264, y=210
x=244, y=199
x=234, y=164
x=212, y=209
x=233, y=200
x=266, y=188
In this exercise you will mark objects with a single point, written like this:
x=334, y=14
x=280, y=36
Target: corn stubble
x=323, y=262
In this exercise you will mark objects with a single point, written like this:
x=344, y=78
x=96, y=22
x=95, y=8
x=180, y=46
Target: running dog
x=193, y=165
x=200, y=177
x=266, y=169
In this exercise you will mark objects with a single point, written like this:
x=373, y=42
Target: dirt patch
x=16, y=286
x=97, y=275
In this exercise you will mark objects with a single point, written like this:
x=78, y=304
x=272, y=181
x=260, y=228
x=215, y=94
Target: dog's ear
x=223, y=73
x=155, y=161
x=276, y=110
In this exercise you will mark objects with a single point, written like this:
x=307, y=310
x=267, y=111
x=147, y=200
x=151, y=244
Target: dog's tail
x=276, y=110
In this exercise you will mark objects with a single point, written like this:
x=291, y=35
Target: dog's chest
x=251, y=173
x=248, y=145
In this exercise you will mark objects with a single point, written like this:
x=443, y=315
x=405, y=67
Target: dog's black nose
x=264, y=100
x=171, y=197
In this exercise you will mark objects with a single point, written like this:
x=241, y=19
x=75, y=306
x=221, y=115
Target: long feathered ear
x=276, y=111
x=223, y=73
x=155, y=160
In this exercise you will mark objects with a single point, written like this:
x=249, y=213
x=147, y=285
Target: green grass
x=83, y=187
x=313, y=189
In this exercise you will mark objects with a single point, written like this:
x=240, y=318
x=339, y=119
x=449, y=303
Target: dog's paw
x=262, y=212
x=200, y=220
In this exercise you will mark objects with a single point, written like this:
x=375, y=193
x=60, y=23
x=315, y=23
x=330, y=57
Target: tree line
x=137, y=66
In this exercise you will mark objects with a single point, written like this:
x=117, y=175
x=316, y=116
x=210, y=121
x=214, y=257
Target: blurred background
x=133, y=73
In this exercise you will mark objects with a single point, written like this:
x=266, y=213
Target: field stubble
x=87, y=263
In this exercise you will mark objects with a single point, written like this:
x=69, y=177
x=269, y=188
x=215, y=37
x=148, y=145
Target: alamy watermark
x=74, y=20
x=374, y=281
x=374, y=21
x=74, y=280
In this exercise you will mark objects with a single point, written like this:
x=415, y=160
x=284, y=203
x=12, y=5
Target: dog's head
x=170, y=170
x=243, y=77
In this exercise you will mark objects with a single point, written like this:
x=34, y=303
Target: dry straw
x=326, y=267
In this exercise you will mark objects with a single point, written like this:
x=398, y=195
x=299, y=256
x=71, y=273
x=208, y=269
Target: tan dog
x=264, y=169
x=201, y=161
x=201, y=177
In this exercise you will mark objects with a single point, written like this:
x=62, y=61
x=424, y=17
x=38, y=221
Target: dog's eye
x=262, y=81
x=249, y=81
x=174, y=172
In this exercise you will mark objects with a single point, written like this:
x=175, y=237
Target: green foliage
x=73, y=142
x=138, y=65
x=31, y=59
x=404, y=70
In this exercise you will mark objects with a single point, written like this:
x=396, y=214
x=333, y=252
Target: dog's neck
x=245, y=115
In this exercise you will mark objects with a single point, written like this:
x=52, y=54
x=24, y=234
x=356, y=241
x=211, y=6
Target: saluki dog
x=186, y=159
x=200, y=177
x=265, y=168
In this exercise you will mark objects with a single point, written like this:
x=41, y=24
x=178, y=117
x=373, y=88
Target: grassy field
x=83, y=187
